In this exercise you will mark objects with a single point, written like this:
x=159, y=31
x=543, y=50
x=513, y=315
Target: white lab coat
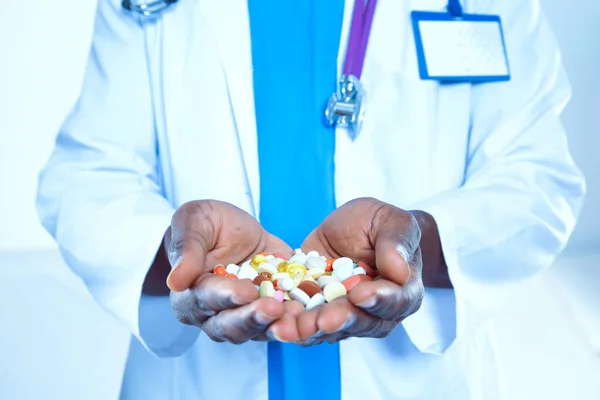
x=166, y=115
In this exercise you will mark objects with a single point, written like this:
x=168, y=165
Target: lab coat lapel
x=230, y=24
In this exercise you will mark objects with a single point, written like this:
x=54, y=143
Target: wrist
x=435, y=270
x=155, y=283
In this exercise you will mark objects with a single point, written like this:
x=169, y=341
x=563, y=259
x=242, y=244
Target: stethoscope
x=346, y=107
x=147, y=8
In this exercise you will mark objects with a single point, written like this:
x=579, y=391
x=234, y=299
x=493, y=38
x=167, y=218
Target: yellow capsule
x=308, y=277
x=283, y=266
x=257, y=260
x=295, y=268
x=315, y=273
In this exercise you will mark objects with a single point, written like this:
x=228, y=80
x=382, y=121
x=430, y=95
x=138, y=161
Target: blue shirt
x=294, y=51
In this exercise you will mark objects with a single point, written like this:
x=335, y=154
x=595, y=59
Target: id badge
x=460, y=48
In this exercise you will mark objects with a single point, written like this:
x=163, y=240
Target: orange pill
x=231, y=276
x=329, y=266
x=354, y=280
x=220, y=270
x=370, y=271
x=263, y=253
x=259, y=279
x=279, y=255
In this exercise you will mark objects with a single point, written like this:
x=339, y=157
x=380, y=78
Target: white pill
x=359, y=271
x=315, y=301
x=323, y=258
x=315, y=262
x=247, y=263
x=266, y=289
x=333, y=290
x=312, y=253
x=299, y=258
x=315, y=272
x=266, y=268
x=270, y=257
x=343, y=261
x=299, y=295
x=298, y=251
x=276, y=261
x=247, y=273
x=325, y=280
x=286, y=284
x=232, y=269
x=342, y=272
x=297, y=278
x=280, y=275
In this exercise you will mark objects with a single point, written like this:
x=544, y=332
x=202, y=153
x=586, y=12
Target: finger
x=192, y=236
x=388, y=300
x=396, y=244
x=211, y=295
x=379, y=331
x=244, y=323
x=340, y=320
x=286, y=328
x=218, y=293
x=342, y=316
x=307, y=324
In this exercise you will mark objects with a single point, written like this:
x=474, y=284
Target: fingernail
x=271, y=335
x=349, y=321
x=369, y=303
x=403, y=253
x=263, y=319
x=177, y=263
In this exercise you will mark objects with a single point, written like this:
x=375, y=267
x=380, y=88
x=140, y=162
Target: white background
x=43, y=50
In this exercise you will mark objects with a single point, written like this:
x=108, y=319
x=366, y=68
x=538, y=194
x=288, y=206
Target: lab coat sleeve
x=99, y=194
x=521, y=194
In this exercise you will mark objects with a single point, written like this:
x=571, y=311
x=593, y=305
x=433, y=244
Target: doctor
x=211, y=117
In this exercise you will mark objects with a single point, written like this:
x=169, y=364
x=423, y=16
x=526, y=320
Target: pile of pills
x=309, y=278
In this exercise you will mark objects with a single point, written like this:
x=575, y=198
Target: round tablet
x=315, y=301
x=299, y=295
x=333, y=290
x=310, y=288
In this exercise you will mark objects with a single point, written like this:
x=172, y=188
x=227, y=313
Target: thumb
x=395, y=248
x=187, y=250
x=392, y=261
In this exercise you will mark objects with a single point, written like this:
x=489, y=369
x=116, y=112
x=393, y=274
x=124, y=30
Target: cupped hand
x=206, y=233
x=385, y=237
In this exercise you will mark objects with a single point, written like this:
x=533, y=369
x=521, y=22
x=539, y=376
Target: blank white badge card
x=468, y=48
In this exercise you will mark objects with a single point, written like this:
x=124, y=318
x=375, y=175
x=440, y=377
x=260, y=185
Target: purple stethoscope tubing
x=360, y=30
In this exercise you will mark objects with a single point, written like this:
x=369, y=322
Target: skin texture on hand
x=206, y=233
x=203, y=234
x=384, y=237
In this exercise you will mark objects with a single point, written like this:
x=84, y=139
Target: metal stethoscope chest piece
x=147, y=8
x=346, y=107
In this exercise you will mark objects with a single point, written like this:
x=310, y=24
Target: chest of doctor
x=412, y=145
